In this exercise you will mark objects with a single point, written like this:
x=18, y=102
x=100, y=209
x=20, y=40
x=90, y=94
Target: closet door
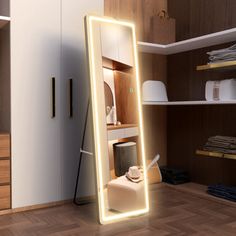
x=35, y=60
x=74, y=67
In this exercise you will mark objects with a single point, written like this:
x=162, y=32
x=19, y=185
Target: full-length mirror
x=117, y=119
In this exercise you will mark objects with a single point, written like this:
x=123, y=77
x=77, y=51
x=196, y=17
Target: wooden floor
x=173, y=212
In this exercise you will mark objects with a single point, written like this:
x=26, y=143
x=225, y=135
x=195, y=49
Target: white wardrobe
x=47, y=41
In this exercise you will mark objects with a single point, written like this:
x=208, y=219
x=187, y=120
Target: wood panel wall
x=189, y=127
x=153, y=67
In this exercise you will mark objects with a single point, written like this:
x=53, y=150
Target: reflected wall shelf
x=3, y=21
x=216, y=154
x=183, y=103
x=125, y=132
x=122, y=126
x=207, y=40
x=228, y=65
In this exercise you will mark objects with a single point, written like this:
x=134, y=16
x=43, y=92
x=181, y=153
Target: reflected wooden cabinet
x=109, y=35
x=125, y=46
x=116, y=44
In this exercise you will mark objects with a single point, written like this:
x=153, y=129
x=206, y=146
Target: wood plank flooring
x=173, y=212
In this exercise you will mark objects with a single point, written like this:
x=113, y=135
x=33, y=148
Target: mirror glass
x=109, y=103
x=119, y=150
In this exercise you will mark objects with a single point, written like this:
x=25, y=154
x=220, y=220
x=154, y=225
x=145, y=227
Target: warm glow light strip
x=98, y=155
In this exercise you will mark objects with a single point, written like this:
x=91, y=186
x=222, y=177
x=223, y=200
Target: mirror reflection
x=121, y=175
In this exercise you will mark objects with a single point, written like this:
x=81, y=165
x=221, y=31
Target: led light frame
x=89, y=20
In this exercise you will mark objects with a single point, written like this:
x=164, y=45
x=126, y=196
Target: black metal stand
x=80, y=160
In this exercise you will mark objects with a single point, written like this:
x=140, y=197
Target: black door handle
x=71, y=97
x=53, y=97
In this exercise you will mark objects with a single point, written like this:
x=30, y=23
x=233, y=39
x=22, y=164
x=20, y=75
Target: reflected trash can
x=125, y=156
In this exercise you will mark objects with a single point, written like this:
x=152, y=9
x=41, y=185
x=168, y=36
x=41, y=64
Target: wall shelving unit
x=187, y=120
x=207, y=40
x=217, y=38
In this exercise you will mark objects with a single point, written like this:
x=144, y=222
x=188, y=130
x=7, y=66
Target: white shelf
x=190, y=44
x=184, y=103
x=4, y=20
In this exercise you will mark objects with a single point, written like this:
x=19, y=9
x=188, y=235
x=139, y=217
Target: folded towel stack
x=174, y=176
x=222, y=191
x=222, y=55
x=224, y=144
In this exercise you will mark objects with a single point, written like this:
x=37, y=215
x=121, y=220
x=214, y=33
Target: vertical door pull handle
x=53, y=97
x=70, y=97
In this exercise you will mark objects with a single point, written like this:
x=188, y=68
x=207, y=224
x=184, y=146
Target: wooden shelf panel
x=5, y=173
x=123, y=126
x=220, y=37
x=4, y=20
x=209, y=154
x=216, y=154
x=229, y=156
x=229, y=65
x=186, y=103
x=5, y=184
x=5, y=197
x=5, y=143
